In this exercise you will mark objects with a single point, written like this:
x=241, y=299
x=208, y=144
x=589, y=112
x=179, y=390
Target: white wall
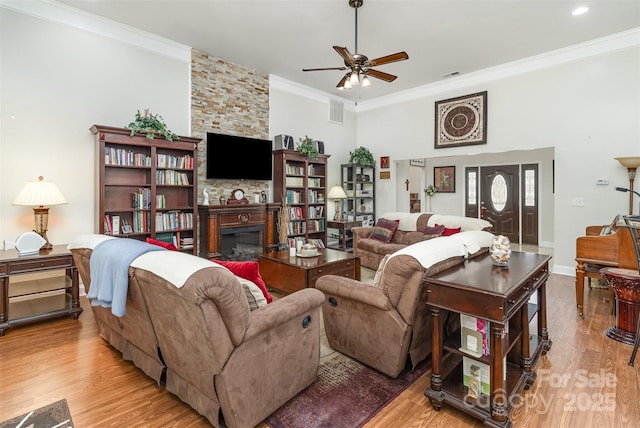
x=56, y=82
x=586, y=109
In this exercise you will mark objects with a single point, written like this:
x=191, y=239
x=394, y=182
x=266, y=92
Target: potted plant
x=150, y=124
x=306, y=147
x=361, y=156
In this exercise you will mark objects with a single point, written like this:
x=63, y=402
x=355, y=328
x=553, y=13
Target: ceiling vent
x=336, y=111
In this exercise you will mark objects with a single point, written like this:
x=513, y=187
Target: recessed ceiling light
x=580, y=10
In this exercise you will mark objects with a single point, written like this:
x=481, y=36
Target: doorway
x=508, y=199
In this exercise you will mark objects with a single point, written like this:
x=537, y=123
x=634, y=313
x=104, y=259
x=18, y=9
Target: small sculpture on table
x=205, y=197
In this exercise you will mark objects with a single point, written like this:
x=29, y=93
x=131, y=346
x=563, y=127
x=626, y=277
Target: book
x=115, y=224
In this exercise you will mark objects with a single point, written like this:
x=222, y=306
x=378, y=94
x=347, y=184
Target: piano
x=595, y=251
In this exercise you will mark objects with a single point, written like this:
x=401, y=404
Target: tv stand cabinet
x=501, y=296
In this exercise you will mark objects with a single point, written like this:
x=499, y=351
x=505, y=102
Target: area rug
x=346, y=394
x=54, y=415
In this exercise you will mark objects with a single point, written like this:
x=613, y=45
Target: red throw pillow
x=247, y=270
x=384, y=230
x=167, y=245
x=449, y=232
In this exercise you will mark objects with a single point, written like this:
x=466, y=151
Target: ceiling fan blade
x=344, y=79
x=345, y=54
x=327, y=68
x=382, y=75
x=398, y=56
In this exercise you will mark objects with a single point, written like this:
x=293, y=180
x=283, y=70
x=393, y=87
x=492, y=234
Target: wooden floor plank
x=48, y=361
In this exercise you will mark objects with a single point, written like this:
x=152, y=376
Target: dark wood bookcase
x=302, y=182
x=146, y=188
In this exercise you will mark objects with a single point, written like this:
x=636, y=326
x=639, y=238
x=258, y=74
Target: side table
x=345, y=239
x=48, y=304
x=626, y=286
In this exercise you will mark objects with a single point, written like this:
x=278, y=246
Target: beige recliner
x=381, y=325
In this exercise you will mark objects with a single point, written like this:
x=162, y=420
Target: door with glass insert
x=499, y=200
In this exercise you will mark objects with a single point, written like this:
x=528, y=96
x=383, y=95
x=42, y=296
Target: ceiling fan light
x=354, y=80
x=365, y=81
x=347, y=84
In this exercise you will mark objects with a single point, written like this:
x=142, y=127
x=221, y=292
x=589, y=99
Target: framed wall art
x=444, y=178
x=461, y=121
x=384, y=162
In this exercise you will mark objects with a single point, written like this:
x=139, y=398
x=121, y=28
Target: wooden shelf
x=359, y=183
x=119, y=183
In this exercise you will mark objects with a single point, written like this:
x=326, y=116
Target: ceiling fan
x=359, y=65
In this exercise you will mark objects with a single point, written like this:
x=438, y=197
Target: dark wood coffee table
x=288, y=274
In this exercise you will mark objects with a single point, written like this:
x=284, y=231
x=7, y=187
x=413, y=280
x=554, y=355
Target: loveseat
x=383, y=323
x=411, y=229
x=188, y=325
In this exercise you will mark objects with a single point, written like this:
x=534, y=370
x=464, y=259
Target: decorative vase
x=500, y=250
x=428, y=201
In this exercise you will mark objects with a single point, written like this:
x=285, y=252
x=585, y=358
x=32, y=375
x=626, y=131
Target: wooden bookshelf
x=146, y=188
x=302, y=182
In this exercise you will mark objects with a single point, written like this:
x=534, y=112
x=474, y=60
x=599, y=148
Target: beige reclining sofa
x=228, y=363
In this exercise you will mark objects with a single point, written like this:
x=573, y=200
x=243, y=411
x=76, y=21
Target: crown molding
x=604, y=45
x=299, y=89
x=63, y=14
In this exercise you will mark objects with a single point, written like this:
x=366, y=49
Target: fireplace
x=241, y=243
x=236, y=232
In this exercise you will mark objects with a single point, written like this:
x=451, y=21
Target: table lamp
x=631, y=163
x=337, y=193
x=37, y=194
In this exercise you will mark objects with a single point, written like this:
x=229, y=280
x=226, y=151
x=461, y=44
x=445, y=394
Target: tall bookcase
x=302, y=182
x=146, y=188
x=359, y=183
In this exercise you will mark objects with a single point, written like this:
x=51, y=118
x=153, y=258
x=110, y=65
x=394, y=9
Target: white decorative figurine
x=205, y=197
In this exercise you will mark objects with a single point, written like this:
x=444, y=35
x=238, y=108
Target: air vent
x=336, y=111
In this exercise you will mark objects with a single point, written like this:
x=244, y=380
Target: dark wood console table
x=61, y=293
x=500, y=295
x=213, y=218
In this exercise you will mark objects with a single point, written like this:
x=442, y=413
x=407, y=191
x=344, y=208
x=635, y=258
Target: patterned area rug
x=55, y=415
x=346, y=394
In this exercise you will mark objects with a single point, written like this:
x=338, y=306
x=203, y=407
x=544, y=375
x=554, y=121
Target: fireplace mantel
x=216, y=218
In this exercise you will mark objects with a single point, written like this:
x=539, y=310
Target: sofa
x=384, y=323
x=411, y=229
x=188, y=325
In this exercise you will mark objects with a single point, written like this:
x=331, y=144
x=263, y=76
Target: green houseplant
x=306, y=147
x=150, y=124
x=361, y=156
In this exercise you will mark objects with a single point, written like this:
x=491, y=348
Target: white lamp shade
x=39, y=194
x=337, y=192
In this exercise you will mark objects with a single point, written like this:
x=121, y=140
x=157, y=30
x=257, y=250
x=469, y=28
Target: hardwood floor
x=582, y=375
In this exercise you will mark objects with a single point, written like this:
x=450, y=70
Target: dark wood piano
x=595, y=251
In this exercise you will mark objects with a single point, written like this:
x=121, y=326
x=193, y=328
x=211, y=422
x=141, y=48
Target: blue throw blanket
x=109, y=266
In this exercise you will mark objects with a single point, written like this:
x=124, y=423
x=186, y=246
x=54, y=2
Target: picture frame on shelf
x=461, y=121
x=444, y=178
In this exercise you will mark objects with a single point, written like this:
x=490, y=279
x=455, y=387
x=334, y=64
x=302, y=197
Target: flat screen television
x=232, y=157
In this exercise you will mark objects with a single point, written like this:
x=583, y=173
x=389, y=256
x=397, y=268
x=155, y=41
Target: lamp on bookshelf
x=37, y=194
x=337, y=193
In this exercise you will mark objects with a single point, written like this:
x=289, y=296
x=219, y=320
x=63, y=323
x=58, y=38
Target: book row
x=171, y=177
x=174, y=220
x=122, y=157
x=170, y=161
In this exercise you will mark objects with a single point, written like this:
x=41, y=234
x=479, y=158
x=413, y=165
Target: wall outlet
x=578, y=202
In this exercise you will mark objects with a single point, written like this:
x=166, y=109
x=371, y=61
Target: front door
x=500, y=199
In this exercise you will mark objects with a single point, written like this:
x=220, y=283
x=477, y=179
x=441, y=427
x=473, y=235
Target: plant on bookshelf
x=306, y=147
x=150, y=124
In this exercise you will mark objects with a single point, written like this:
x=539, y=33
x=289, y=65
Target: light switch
x=602, y=181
